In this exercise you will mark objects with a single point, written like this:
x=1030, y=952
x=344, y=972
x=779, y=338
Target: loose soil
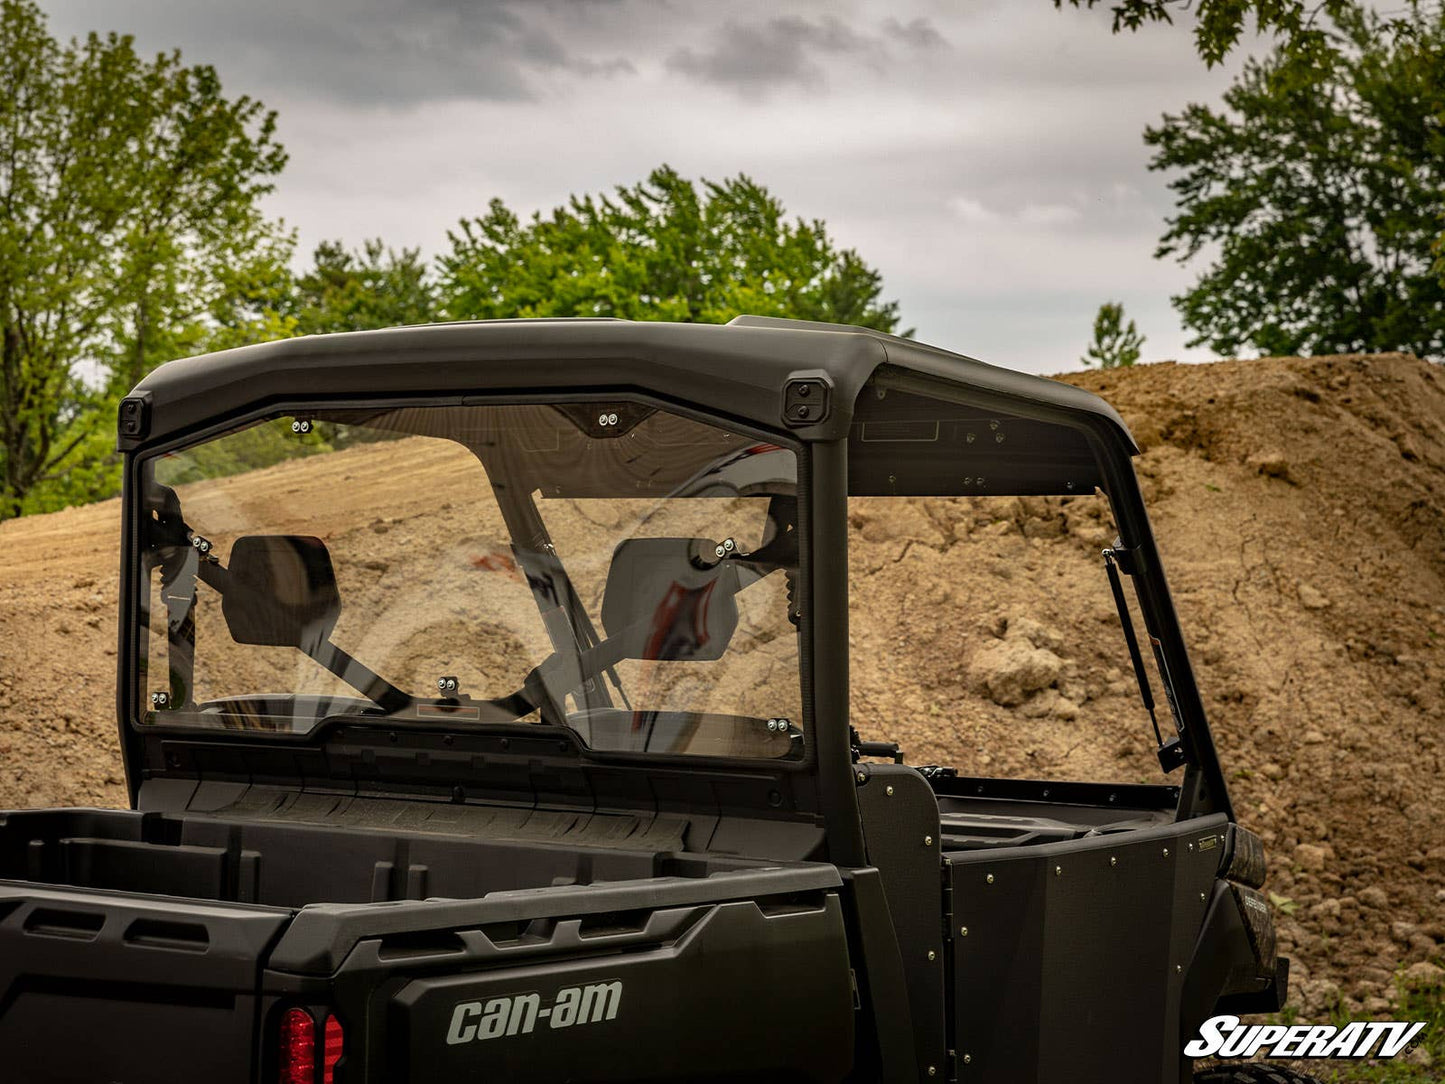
x=1300, y=508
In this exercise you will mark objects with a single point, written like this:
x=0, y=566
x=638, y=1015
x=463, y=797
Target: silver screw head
x=1113, y=861
x=963, y=931
x=719, y=550
x=295, y=427
x=888, y=791
x=932, y=955
x=967, y=1058
x=928, y=841
x=1166, y=852
x=989, y=879
x=1058, y=871
x=932, y=1071
x=602, y=419
x=1178, y=969
x=1202, y=897
x=442, y=684
x=862, y=777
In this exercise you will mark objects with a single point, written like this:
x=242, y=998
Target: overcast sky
x=985, y=155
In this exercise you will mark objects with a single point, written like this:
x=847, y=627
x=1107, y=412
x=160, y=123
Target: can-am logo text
x=473, y=1021
x=1226, y=1037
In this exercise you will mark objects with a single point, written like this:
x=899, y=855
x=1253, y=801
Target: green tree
x=665, y=249
x=1116, y=344
x=1317, y=194
x=373, y=287
x=1303, y=26
x=127, y=187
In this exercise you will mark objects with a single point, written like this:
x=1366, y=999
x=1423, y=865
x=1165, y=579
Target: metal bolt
x=932, y=1071
x=295, y=427
x=805, y=390
x=1202, y=897
x=1113, y=861
x=967, y=1058
x=602, y=419
x=932, y=955
x=888, y=791
x=612, y=419
x=719, y=550
x=801, y=410
x=1166, y=852
x=1058, y=871
x=1178, y=970
x=989, y=879
x=862, y=777
x=963, y=931
x=1190, y=846
x=928, y=841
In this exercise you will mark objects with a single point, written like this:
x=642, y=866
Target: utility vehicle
x=484, y=699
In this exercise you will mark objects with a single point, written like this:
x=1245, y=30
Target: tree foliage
x=1116, y=344
x=128, y=197
x=1301, y=25
x=665, y=249
x=1317, y=194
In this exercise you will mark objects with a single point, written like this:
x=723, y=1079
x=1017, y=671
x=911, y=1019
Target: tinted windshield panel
x=621, y=570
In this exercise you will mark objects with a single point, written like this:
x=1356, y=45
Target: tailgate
x=737, y=976
x=114, y=989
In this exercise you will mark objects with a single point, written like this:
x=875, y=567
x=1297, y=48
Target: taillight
x=298, y=1048
x=331, y=1053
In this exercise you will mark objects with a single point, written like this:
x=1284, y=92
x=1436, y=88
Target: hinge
x=947, y=889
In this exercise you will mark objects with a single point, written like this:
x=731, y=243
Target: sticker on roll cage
x=521, y=1014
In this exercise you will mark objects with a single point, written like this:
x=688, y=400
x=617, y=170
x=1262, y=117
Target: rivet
x=1058, y=871
x=928, y=841
x=1178, y=969
x=1190, y=846
x=888, y=791
x=1202, y=897
x=1113, y=861
x=989, y=878
x=932, y=1071
x=963, y=931
x=932, y=955
x=862, y=777
x=1166, y=852
x=967, y=1058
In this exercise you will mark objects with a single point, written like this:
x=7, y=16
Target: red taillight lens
x=335, y=1044
x=298, y=1048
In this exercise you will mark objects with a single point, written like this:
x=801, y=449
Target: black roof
x=740, y=369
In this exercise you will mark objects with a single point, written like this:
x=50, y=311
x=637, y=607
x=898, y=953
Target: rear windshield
x=614, y=568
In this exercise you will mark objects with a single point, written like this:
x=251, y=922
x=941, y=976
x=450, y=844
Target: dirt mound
x=1299, y=509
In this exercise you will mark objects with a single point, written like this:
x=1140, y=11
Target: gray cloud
x=985, y=157
x=367, y=52
x=787, y=50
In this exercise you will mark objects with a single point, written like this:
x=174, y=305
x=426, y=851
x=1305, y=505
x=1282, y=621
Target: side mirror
x=671, y=598
x=281, y=592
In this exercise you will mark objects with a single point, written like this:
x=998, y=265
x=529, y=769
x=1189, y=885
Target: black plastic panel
x=1076, y=954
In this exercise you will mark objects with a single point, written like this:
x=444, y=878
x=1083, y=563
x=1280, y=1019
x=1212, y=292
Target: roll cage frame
x=745, y=376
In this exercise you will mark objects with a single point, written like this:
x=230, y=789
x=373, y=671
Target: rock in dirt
x=1010, y=671
x=1271, y=465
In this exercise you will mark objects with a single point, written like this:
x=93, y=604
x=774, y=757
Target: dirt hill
x=1298, y=505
